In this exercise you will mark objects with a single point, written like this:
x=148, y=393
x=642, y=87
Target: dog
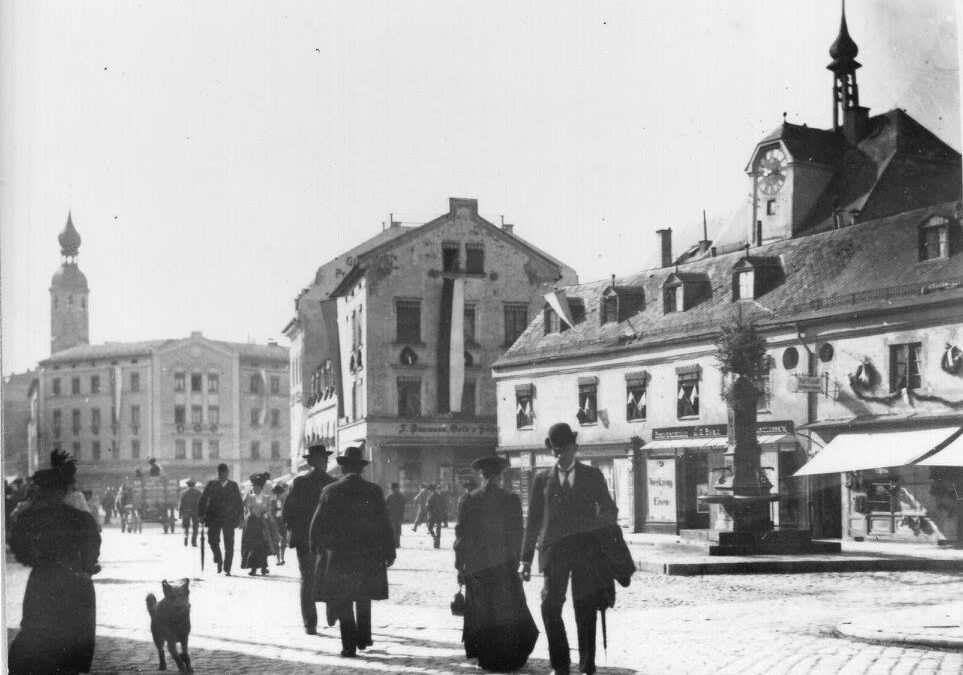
x=170, y=622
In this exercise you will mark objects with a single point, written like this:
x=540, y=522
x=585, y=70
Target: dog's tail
x=151, y=604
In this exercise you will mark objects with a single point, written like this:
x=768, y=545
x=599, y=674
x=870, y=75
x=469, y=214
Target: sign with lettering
x=808, y=384
x=692, y=431
x=660, y=488
x=453, y=428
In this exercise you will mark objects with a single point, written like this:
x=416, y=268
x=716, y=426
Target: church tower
x=848, y=115
x=69, y=318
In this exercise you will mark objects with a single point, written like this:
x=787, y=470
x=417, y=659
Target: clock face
x=772, y=171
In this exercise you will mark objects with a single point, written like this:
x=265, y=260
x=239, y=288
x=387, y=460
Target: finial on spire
x=69, y=239
x=844, y=49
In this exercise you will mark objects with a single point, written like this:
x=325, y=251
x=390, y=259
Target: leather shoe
x=564, y=670
x=348, y=653
x=310, y=630
x=364, y=644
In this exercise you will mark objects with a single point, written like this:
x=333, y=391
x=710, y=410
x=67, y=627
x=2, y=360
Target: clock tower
x=69, y=319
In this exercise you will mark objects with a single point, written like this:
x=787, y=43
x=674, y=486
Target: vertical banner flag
x=117, y=382
x=456, y=347
x=264, y=391
x=557, y=301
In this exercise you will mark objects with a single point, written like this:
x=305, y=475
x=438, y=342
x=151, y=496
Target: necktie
x=564, y=479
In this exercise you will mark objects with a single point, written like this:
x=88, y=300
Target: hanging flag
x=529, y=411
x=682, y=395
x=695, y=393
x=559, y=302
x=519, y=409
x=631, y=400
x=264, y=392
x=117, y=384
x=456, y=347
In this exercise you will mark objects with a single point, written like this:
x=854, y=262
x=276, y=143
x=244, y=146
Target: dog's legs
x=159, y=643
x=187, y=659
x=172, y=648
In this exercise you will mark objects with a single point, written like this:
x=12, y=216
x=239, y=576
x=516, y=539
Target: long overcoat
x=351, y=526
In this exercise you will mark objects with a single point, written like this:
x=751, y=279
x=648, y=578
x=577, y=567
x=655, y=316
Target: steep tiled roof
x=329, y=275
x=858, y=267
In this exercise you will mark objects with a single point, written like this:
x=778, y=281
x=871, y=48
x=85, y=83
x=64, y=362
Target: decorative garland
x=952, y=359
x=866, y=378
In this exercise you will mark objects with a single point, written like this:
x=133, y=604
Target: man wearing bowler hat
x=352, y=531
x=221, y=509
x=297, y=513
x=570, y=502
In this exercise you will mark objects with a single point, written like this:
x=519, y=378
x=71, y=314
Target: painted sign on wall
x=660, y=486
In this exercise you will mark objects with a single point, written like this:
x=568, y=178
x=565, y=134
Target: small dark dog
x=170, y=622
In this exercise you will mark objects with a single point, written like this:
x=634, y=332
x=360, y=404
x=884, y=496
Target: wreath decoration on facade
x=952, y=360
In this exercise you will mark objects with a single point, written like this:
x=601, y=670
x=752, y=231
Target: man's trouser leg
x=553, y=599
x=214, y=539
x=306, y=565
x=186, y=524
x=363, y=612
x=228, y=547
x=585, y=602
x=349, y=629
x=194, y=522
x=396, y=530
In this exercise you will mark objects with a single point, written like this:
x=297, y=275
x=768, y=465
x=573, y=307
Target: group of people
x=345, y=534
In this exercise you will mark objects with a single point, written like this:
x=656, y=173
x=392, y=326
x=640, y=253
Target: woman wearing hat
x=61, y=544
x=499, y=629
x=256, y=544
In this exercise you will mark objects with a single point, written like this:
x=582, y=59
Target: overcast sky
x=215, y=153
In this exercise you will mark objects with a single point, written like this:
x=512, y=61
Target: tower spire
x=69, y=239
x=847, y=112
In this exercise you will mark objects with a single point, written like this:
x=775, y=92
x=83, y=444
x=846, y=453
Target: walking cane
x=202, y=546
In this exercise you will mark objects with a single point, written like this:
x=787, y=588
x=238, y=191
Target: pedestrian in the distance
x=256, y=543
x=108, y=500
x=446, y=496
x=570, y=503
x=499, y=630
x=299, y=508
x=437, y=508
x=352, y=528
x=61, y=544
x=275, y=522
x=421, y=501
x=395, y=502
x=154, y=469
x=221, y=509
x=188, y=511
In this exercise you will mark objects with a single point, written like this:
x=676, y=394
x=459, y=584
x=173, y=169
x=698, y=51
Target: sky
x=214, y=154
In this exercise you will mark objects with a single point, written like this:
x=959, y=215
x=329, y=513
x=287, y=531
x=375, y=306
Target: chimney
x=665, y=236
x=508, y=227
x=758, y=233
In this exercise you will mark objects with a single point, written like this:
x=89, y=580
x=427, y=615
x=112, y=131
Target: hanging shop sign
x=660, y=487
x=691, y=431
x=808, y=384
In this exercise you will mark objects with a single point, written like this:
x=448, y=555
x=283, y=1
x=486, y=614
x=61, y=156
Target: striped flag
x=456, y=347
x=559, y=302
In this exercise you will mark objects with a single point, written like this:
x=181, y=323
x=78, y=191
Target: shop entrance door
x=695, y=482
x=826, y=506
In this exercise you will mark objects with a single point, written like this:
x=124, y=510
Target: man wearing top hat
x=297, y=513
x=352, y=530
x=570, y=502
x=221, y=509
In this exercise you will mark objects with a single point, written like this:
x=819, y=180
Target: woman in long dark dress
x=499, y=629
x=256, y=544
x=61, y=544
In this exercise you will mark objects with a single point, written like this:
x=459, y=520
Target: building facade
x=419, y=317
x=850, y=265
x=189, y=403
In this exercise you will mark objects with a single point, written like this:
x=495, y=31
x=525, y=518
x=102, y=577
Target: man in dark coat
x=421, y=500
x=221, y=509
x=437, y=508
x=297, y=513
x=188, y=509
x=570, y=503
x=395, y=502
x=352, y=528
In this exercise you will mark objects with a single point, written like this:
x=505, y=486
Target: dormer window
x=620, y=302
x=553, y=323
x=556, y=324
x=935, y=239
x=754, y=276
x=682, y=291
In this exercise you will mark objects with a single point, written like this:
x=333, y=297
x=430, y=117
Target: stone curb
x=800, y=565
x=931, y=628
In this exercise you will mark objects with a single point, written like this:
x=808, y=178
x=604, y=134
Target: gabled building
x=846, y=267
x=409, y=335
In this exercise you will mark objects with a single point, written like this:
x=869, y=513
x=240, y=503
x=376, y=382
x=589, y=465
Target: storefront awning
x=951, y=455
x=859, y=452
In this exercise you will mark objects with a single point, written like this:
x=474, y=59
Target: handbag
x=458, y=604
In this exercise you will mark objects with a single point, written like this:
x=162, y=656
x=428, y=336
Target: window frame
x=636, y=389
x=74, y=386
x=198, y=379
x=255, y=418
x=275, y=450
x=135, y=382
x=691, y=379
x=474, y=252
x=55, y=386
x=912, y=359
x=255, y=450
x=449, y=262
x=525, y=406
x=511, y=311
x=213, y=448
x=213, y=383
x=275, y=381
x=180, y=380
x=197, y=448
x=408, y=321
x=135, y=448
x=95, y=384
x=939, y=226
x=405, y=386
x=588, y=401
x=180, y=448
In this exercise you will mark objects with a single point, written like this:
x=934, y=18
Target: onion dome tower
x=69, y=319
x=847, y=113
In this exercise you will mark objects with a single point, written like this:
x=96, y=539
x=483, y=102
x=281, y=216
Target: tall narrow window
x=197, y=382
x=213, y=383
x=135, y=381
x=95, y=451
x=255, y=417
x=255, y=450
x=904, y=366
x=95, y=384
x=180, y=383
x=275, y=418
x=935, y=239
x=95, y=420
x=469, y=325
x=553, y=323
x=275, y=450
x=75, y=385
x=180, y=417
x=75, y=421
x=610, y=308
x=213, y=449
x=213, y=416
x=76, y=449
x=57, y=422
x=746, y=285
x=516, y=321
x=135, y=448
x=135, y=417
x=635, y=395
x=475, y=258
x=197, y=449
x=180, y=448
x=409, y=396
x=687, y=397
x=196, y=417
x=275, y=384
x=524, y=406
x=56, y=386
x=588, y=391
x=408, y=327
x=764, y=395
x=254, y=381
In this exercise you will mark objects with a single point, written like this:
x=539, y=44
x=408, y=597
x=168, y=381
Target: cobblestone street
x=661, y=624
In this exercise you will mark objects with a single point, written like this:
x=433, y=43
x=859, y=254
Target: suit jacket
x=189, y=500
x=221, y=505
x=489, y=530
x=437, y=507
x=396, y=506
x=352, y=529
x=553, y=518
x=301, y=503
